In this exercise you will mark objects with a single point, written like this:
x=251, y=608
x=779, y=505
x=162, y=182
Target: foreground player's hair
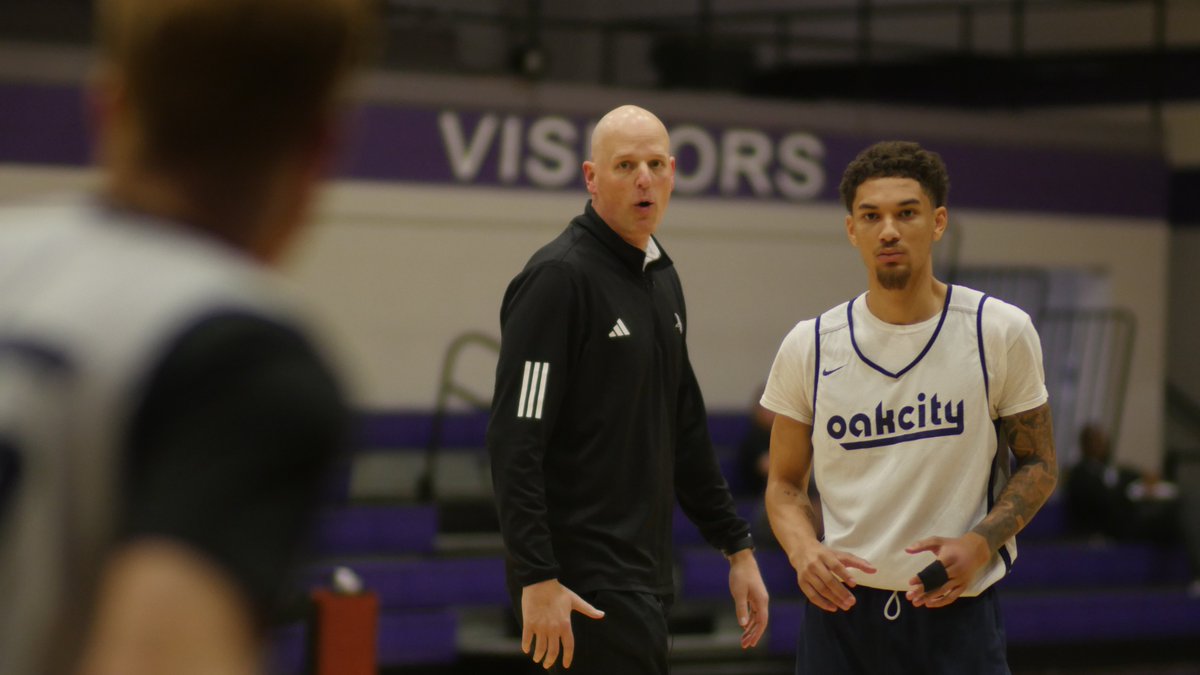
x=278, y=65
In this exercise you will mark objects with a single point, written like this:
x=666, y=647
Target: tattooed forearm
x=1030, y=436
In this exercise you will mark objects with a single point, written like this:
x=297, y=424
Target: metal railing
x=449, y=390
x=1088, y=353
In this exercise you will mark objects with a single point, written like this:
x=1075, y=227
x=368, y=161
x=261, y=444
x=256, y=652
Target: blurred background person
x=1113, y=500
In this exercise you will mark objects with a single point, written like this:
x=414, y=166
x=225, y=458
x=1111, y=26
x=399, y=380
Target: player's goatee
x=893, y=279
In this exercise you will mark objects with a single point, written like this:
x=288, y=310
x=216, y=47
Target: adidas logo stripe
x=619, y=330
x=533, y=389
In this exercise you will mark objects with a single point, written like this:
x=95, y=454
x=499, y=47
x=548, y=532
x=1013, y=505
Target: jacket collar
x=629, y=255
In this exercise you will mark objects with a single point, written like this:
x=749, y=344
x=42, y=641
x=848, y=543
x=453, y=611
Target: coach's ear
x=589, y=176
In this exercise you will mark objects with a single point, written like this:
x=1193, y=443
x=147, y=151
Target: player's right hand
x=824, y=576
x=546, y=613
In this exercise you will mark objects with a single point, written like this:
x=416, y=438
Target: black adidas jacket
x=597, y=422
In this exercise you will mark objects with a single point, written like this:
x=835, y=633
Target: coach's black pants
x=882, y=635
x=631, y=639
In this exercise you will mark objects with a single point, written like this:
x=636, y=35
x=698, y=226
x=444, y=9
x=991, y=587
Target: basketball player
x=598, y=425
x=895, y=399
x=164, y=416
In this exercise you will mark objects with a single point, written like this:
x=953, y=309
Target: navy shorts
x=882, y=635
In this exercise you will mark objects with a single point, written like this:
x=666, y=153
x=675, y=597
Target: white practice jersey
x=905, y=442
x=90, y=299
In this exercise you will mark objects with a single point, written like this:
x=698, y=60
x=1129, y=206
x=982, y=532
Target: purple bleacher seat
x=412, y=429
x=1127, y=614
x=728, y=462
x=1050, y=522
x=728, y=428
x=428, y=582
x=363, y=530
x=417, y=637
x=287, y=650
x=1056, y=565
x=405, y=637
x=704, y=573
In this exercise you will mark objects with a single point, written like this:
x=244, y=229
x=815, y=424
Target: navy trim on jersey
x=928, y=345
x=982, y=358
x=817, y=369
x=1000, y=446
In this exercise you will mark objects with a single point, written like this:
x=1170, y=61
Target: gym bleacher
x=439, y=576
x=411, y=513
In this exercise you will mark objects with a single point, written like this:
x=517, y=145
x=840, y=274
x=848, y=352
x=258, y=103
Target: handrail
x=1183, y=408
x=448, y=388
x=1089, y=355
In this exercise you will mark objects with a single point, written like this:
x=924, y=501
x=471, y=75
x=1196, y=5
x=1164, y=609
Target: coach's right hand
x=824, y=576
x=546, y=613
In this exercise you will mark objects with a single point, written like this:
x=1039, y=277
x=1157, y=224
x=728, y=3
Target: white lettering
x=510, y=150
x=552, y=163
x=548, y=151
x=745, y=153
x=801, y=174
x=466, y=158
x=707, y=159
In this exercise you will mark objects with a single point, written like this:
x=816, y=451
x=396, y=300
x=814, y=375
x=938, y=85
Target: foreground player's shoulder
x=276, y=358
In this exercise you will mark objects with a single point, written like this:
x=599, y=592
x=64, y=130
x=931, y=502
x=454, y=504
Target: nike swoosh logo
x=830, y=372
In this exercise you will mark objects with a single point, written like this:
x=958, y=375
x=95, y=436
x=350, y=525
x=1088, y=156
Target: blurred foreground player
x=164, y=417
x=895, y=399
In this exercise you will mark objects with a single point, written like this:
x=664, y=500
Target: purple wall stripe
x=47, y=124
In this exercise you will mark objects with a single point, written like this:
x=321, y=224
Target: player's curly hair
x=897, y=159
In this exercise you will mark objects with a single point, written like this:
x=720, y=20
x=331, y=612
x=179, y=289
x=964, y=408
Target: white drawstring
x=888, y=613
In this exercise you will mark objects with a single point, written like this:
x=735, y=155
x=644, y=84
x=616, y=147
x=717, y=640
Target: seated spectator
x=1112, y=500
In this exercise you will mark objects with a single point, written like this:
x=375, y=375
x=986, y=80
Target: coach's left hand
x=963, y=558
x=749, y=596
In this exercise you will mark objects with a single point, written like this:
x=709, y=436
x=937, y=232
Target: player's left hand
x=963, y=557
x=749, y=596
